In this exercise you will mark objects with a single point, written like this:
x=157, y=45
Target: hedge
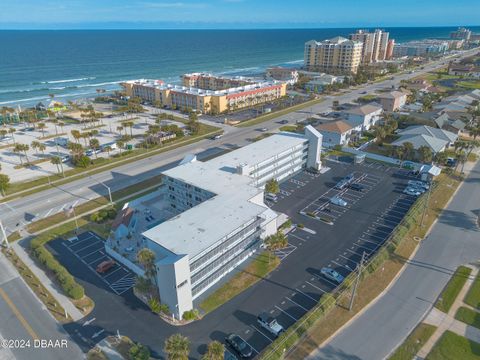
x=63, y=277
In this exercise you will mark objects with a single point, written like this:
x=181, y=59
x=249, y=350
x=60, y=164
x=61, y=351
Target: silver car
x=336, y=200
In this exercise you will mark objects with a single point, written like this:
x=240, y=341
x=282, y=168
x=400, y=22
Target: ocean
x=74, y=64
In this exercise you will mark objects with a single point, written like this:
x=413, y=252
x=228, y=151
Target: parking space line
x=86, y=247
x=113, y=272
x=363, y=247
x=348, y=259
x=93, y=252
x=343, y=266
x=296, y=304
x=385, y=225
x=78, y=242
x=354, y=252
x=308, y=296
x=379, y=230
x=91, y=262
x=316, y=287
x=369, y=241
x=297, y=237
x=286, y=313
x=258, y=330
x=375, y=236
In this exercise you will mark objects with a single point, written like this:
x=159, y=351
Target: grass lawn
x=257, y=270
x=372, y=285
x=473, y=296
x=96, y=354
x=93, y=204
x=454, y=285
x=273, y=115
x=468, y=316
x=454, y=347
x=414, y=342
x=469, y=84
x=291, y=128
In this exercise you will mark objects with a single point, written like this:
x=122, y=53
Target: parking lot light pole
x=359, y=272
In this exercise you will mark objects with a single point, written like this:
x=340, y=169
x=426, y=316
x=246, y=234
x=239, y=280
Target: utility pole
x=5, y=239
x=426, y=204
x=357, y=280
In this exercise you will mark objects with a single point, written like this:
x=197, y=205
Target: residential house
x=365, y=116
x=454, y=125
x=437, y=140
x=335, y=133
x=393, y=100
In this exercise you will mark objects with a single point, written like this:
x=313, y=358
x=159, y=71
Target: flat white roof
x=195, y=230
x=259, y=151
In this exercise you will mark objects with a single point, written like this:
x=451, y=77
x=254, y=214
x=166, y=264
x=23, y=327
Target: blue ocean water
x=74, y=64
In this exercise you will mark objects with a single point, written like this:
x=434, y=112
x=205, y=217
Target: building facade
x=374, y=46
x=212, y=99
x=335, y=56
x=461, y=33
x=393, y=100
x=421, y=48
x=290, y=76
x=218, y=214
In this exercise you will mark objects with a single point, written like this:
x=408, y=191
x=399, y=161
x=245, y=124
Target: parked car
x=65, y=158
x=451, y=162
x=263, y=129
x=331, y=274
x=411, y=191
x=284, y=122
x=104, y=266
x=240, y=345
x=271, y=197
x=349, y=178
x=419, y=184
x=356, y=187
x=216, y=137
x=270, y=323
x=336, y=200
x=342, y=184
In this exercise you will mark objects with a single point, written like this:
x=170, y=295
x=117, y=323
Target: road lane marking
x=18, y=315
x=286, y=313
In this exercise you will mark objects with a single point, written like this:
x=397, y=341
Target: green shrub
x=139, y=352
x=191, y=315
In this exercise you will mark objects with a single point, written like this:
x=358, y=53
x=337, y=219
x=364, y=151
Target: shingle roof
x=417, y=141
x=429, y=131
x=364, y=109
x=124, y=217
x=335, y=126
x=392, y=95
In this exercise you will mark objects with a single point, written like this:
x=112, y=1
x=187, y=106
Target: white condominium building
x=334, y=56
x=374, y=46
x=219, y=217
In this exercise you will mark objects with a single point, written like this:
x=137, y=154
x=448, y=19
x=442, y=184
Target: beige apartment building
x=211, y=99
x=375, y=45
x=334, y=56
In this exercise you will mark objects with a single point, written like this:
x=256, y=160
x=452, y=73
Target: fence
x=288, y=340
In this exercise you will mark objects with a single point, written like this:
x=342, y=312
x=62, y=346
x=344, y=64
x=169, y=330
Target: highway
x=18, y=212
x=453, y=241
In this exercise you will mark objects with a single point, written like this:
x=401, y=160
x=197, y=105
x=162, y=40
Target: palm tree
x=55, y=123
x=407, y=149
x=425, y=153
x=215, y=351
x=177, y=347
x=76, y=135
x=108, y=148
x=18, y=149
x=95, y=144
x=12, y=132
x=56, y=161
x=35, y=145
x=120, y=145
x=61, y=124
x=146, y=258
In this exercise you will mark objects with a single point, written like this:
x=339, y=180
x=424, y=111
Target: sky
x=211, y=14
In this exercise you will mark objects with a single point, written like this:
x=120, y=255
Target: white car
x=270, y=323
x=418, y=184
x=411, y=191
x=338, y=201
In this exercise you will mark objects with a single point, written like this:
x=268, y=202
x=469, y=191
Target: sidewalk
x=445, y=322
x=109, y=351
x=45, y=280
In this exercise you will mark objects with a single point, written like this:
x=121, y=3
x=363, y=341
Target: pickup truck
x=269, y=323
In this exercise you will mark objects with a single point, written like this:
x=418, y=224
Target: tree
x=276, y=241
x=41, y=126
x=12, y=132
x=425, y=154
x=139, y=352
x=57, y=161
x=272, y=186
x=35, y=144
x=21, y=148
x=95, y=145
x=76, y=150
x=76, y=135
x=120, y=145
x=108, y=148
x=215, y=351
x=441, y=157
x=177, y=347
x=146, y=258
x=380, y=134
x=4, y=183
x=407, y=149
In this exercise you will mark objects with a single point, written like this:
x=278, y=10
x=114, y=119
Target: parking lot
x=359, y=229
x=89, y=249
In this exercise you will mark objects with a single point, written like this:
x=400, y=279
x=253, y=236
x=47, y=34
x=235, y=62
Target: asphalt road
x=453, y=241
x=23, y=319
x=21, y=211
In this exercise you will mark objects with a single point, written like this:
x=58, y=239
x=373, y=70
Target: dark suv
x=240, y=345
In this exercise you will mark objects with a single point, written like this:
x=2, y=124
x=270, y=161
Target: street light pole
x=107, y=187
x=5, y=239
